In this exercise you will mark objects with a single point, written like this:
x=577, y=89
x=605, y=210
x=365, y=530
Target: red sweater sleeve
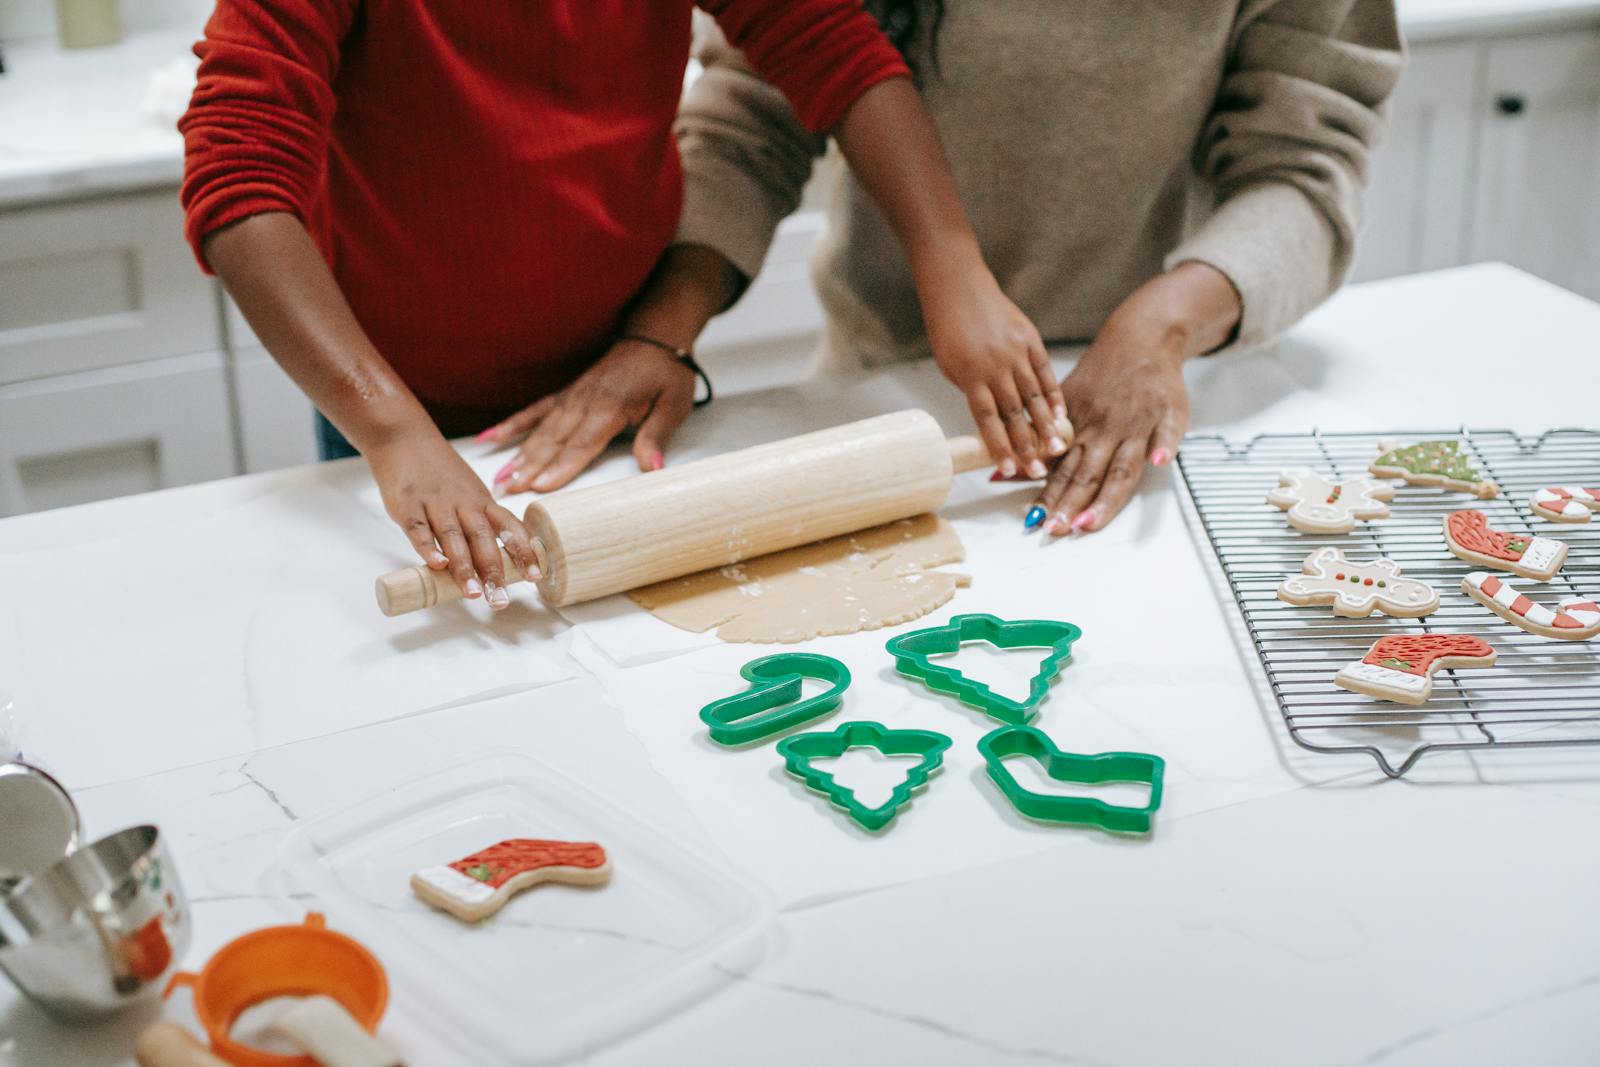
x=256, y=133
x=822, y=54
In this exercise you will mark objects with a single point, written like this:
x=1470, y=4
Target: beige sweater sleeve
x=746, y=157
x=1286, y=152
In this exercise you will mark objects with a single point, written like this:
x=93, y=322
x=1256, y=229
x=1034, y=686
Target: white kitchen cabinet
x=99, y=283
x=275, y=418
x=1420, y=192
x=74, y=438
x=1538, y=196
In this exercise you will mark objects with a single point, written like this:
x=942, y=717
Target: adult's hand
x=1127, y=398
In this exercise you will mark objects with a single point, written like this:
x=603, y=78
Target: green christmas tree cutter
x=1070, y=767
x=772, y=703
x=912, y=652
x=799, y=753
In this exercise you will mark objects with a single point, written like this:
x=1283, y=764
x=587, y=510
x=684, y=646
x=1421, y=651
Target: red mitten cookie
x=480, y=884
x=1401, y=667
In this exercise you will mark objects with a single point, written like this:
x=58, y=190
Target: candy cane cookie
x=1434, y=463
x=1565, y=503
x=1575, y=618
x=1356, y=590
x=1317, y=504
x=1469, y=537
x=1401, y=667
x=479, y=885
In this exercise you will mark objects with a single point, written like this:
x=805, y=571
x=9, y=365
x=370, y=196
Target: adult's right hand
x=449, y=516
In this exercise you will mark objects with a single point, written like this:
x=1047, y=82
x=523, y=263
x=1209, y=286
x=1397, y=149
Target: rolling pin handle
x=969, y=453
x=414, y=588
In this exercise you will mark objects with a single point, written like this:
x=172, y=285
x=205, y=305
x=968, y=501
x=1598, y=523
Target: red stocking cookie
x=1574, y=619
x=1356, y=590
x=1470, y=538
x=479, y=885
x=1401, y=667
x=1565, y=503
x=1318, y=505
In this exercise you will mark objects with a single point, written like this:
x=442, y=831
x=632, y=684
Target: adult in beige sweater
x=1158, y=179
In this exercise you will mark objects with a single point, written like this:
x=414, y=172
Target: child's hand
x=992, y=353
x=634, y=385
x=449, y=516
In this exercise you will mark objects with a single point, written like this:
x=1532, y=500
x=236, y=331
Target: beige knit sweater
x=1094, y=142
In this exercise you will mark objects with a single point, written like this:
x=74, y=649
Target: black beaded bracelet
x=682, y=355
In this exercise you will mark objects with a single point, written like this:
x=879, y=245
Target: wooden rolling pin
x=610, y=538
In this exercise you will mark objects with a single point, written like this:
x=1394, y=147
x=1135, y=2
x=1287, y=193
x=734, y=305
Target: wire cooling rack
x=1541, y=692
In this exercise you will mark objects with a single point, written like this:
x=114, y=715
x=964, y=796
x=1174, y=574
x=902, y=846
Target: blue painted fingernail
x=1034, y=517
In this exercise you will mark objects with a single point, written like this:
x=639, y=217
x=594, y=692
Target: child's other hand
x=449, y=516
x=990, y=351
x=634, y=386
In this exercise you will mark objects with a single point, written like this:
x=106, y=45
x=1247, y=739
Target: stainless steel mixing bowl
x=99, y=930
x=38, y=822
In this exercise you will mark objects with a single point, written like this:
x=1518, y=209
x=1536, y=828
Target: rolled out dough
x=860, y=581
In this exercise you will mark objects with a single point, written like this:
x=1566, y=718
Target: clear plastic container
x=560, y=969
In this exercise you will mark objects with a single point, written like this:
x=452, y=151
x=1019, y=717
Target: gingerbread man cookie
x=1469, y=537
x=1434, y=463
x=1565, y=503
x=479, y=885
x=1356, y=590
x=1401, y=667
x=1575, y=618
x=1317, y=505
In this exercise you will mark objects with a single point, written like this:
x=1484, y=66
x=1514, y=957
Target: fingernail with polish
x=1034, y=517
x=437, y=559
x=657, y=461
x=1008, y=468
x=1060, y=411
x=504, y=473
x=1057, y=446
x=997, y=477
x=1058, y=525
x=1084, y=520
x=487, y=435
x=474, y=590
x=498, y=597
x=1160, y=457
x=1036, y=469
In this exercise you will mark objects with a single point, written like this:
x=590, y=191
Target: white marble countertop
x=209, y=659
x=81, y=123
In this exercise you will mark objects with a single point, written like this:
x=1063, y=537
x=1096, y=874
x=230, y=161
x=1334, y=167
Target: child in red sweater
x=441, y=217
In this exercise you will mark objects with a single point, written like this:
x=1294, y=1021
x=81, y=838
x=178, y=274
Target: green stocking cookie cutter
x=799, y=751
x=1071, y=767
x=911, y=652
x=772, y=703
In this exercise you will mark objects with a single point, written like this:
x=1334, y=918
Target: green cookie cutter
x=911, y=652
x=1070, y=767
x=798, y=752
x=772, y=703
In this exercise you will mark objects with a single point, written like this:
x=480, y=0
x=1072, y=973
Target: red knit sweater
x=491, y=182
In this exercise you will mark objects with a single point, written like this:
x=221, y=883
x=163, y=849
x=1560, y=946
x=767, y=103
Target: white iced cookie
x=480, y=884
x=1356, y=590
x=1565, y=503
x=1316, y=504
x=1575, y=618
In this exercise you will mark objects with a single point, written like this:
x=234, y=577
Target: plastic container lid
x=560, y=969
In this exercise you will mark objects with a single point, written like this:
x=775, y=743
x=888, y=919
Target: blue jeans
x=331, y=444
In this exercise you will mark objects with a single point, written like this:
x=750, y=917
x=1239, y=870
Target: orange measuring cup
x=283, y=961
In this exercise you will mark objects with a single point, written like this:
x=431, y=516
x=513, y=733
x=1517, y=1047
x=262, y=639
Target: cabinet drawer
x=108, y=433
x=100, y=283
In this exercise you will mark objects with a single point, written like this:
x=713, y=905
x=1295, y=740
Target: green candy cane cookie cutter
x=1070, y=767
x=911, y=652
x=772, y=704
x=799, y=751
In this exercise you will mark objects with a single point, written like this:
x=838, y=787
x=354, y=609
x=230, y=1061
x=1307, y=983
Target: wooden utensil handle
x=166, y=1044
x=414, y=588
x=969, y=453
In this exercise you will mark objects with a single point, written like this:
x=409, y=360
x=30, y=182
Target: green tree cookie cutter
x=772, y=703
x=799, y=751
x=1070, y=767
x=911, y=652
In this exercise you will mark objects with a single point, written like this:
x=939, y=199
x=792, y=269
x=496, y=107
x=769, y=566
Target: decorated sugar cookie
x=1469, y=537
x=479, y=885
x=1401, y=667
x=1317, y=505
x=1356, y=590
x=1439, y=463
x=1565, y=503
x=1574, y=619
